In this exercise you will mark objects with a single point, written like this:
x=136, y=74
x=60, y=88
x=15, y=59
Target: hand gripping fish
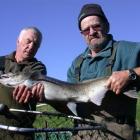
x=56, y=90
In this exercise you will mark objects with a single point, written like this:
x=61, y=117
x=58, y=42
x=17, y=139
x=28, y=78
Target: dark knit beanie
x=89, y=10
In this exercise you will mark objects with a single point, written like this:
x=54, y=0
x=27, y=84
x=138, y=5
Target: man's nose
x=31, y=45
x=92, y=31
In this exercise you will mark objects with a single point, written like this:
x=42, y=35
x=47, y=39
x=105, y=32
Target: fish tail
x=132, y=94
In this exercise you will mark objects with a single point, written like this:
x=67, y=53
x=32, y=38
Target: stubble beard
x=98, y=45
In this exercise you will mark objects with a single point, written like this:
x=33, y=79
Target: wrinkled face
x=94, y=32
x=27, y=45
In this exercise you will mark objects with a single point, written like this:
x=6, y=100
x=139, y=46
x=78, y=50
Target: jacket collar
x=12, y=58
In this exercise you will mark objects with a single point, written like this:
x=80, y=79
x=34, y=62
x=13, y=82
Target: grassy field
x=58, y=122
x=138, y=115
x=52, y=122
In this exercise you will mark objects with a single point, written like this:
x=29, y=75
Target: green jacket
x=127, y=57
x=9, y=64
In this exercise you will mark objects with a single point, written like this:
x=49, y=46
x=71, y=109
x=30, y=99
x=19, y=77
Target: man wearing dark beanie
x=89, y=10
x=106, y=57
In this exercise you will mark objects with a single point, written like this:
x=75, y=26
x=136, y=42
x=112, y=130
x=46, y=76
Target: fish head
x=13, y=79
x=27, y=78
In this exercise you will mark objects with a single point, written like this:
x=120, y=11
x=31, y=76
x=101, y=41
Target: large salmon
x=56, y=90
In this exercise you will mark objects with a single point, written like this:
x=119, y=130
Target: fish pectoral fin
x=132, y=94
x=97, y=95
x=72, y=107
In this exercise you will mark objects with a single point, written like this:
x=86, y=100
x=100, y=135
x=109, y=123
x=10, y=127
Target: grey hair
x=35, y=30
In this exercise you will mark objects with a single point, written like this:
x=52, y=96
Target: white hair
x=34, y=29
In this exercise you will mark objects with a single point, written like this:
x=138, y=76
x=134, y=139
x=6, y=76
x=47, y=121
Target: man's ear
x=17, y=42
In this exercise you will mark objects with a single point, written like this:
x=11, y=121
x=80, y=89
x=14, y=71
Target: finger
x=28, y=97
x=119, y=88
x=35, y=88
x=108, y=83
x=23, y=94
x=41, y=93
x=118, y=91
x=111, y=83
x=112, y=87
x=19, y=92
x=34, y=91
x=15, y=92
x=39, y=85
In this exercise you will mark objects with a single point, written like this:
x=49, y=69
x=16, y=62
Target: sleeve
x=130, y=55
x=39, y=67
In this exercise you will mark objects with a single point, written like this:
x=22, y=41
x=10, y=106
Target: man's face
x=27, y=45
x=94, y=32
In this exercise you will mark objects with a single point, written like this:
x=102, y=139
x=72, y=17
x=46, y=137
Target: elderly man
x=106, y=57
x=21, y=61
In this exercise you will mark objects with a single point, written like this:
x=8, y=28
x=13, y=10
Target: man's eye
x=86, y=31
x=97, y=27
x=27, y=41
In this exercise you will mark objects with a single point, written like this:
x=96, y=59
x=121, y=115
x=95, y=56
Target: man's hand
x=118, y=80
x=23, y=94
x=38, y=92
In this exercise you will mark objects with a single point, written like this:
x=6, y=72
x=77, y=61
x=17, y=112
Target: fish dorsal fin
x=72, y=107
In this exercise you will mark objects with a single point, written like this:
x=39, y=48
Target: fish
x=93, y=90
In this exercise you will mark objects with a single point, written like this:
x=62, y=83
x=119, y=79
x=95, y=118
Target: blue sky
x=57, y=20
